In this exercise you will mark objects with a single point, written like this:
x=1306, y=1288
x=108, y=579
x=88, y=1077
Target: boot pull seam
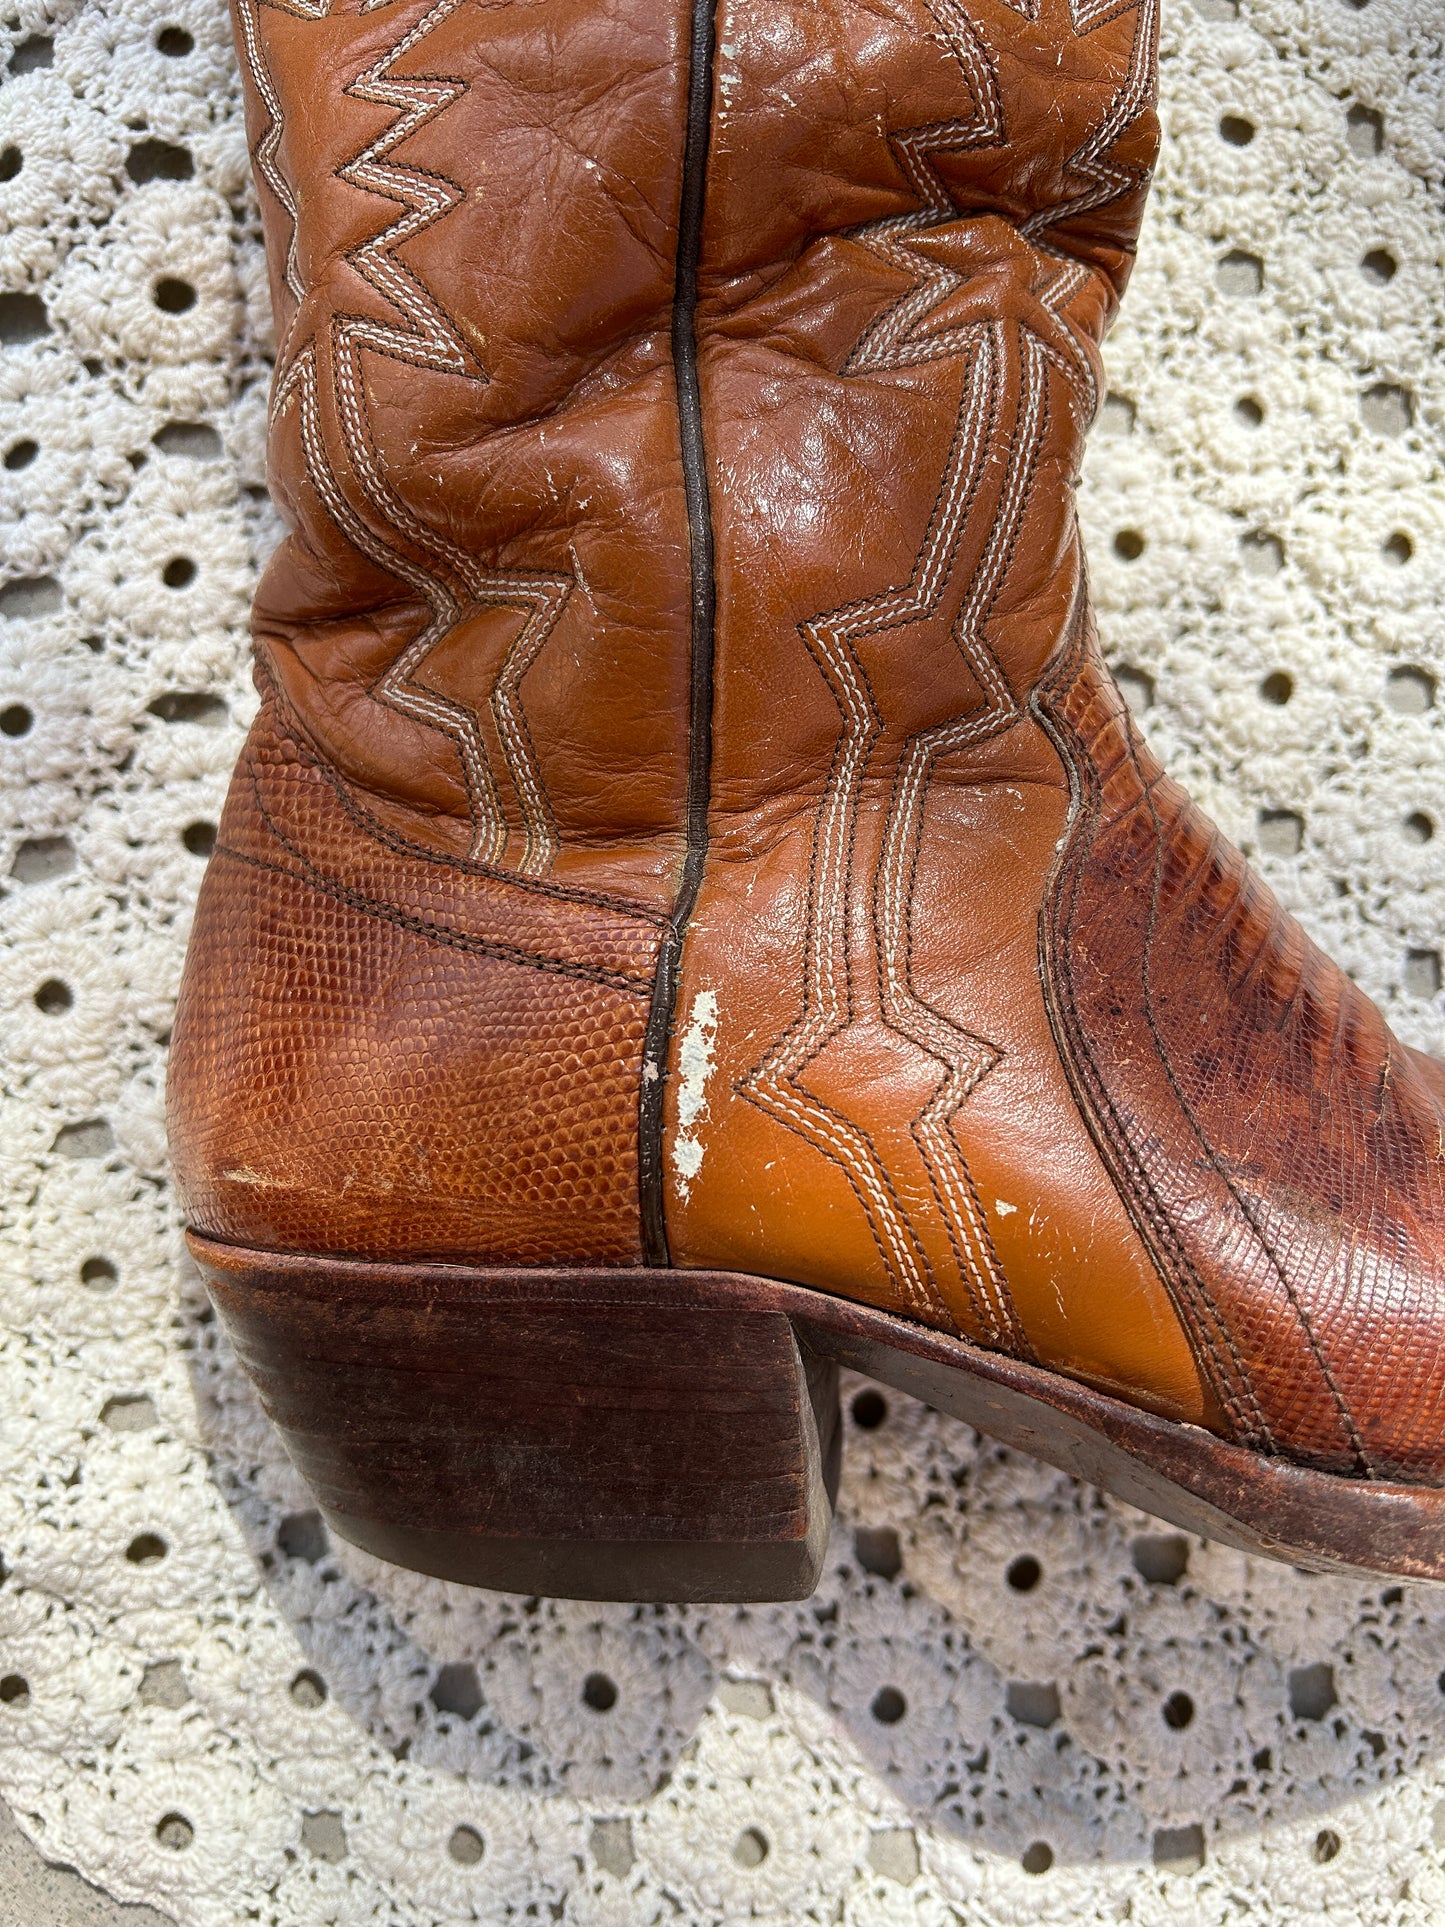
x=703, y=622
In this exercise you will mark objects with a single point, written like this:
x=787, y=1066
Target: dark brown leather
x=1280, y=1149
x=676, y=396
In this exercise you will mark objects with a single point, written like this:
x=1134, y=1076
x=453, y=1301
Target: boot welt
x=646, y=1434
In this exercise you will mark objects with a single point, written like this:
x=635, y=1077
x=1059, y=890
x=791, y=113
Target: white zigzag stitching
x=888, y=343
x=776, y=1084
x=248, y=20
x=426, y=338
x=1106, y=181
x=893, y=342
x=967, y=1058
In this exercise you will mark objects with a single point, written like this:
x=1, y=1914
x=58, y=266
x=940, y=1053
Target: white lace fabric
x=1012, y=1700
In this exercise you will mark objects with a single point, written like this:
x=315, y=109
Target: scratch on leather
x=243, y=1174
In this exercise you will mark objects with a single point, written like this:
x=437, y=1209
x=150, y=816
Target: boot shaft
x=615, y=340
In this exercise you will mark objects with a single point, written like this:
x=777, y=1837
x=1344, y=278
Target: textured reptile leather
x=1283, y=1151
x=679, y=405
x=408, y=1053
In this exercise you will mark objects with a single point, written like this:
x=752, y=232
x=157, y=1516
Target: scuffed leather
x=413, y=1011
x=388, y=1051
x=978, y=1019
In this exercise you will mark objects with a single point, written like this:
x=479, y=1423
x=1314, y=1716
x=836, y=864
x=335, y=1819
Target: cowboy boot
x=693, y=909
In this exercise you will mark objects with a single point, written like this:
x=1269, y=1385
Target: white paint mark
x=1004, y=1208
x=694, y=1064
x=687, y=1160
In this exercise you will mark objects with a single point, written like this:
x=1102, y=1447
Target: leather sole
x=674, y=1435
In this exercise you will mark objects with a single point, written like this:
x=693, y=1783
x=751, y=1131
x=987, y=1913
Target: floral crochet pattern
x=1012, y=1700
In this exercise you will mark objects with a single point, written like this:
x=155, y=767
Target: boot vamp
x=1072, y=1082
x=1257, y=1110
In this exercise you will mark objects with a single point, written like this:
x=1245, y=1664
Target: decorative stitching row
x=438, y=933
x=1107, y=181
x=778, y=1084
x=897, y=340
x=426, y=336
x=424, y=927
x=966, y=1058
x=372, y=827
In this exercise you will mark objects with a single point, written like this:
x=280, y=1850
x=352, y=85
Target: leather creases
x=689, y=821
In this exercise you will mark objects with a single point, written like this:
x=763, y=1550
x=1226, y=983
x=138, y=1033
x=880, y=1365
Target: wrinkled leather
x=978, y=1019
x=412, y=1017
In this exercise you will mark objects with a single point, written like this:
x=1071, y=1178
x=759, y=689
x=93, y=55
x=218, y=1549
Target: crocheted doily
x=1011, y=1700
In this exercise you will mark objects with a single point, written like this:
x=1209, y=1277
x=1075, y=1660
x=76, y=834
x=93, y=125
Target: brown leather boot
x=693, y=909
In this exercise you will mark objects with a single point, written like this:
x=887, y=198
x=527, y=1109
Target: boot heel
x=627, y=1435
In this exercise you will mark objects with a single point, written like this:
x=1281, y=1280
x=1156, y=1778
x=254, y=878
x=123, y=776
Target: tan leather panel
x=894, y=402
x=869, y=1218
